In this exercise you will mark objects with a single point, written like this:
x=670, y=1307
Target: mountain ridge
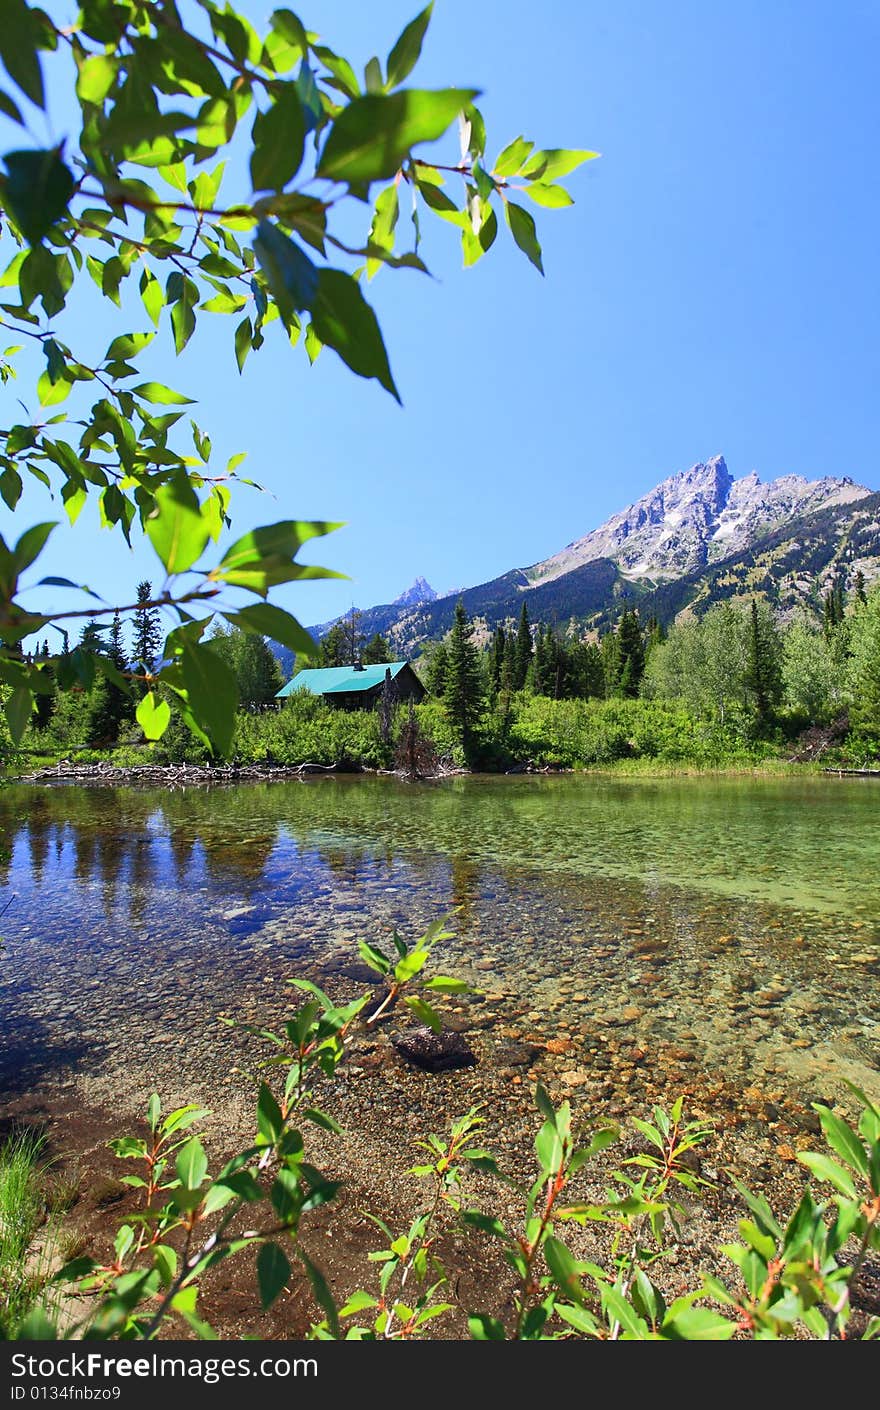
x=697, y=537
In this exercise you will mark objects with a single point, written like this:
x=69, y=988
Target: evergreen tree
x=110, y=714
x=631, y=654
x=90, y=638
x=859, y=594
x=499, y=641
x=333, y=648
x=147, y=630
x=585, y=674
x=116, y=644
x=463, y=693
x=763, y=674
x=864, y=673
x=609, y=648
x=377, y=652
x=437, y=669
x=508, y=665
x=536, y=680
x=523, y=650
x=555, y=666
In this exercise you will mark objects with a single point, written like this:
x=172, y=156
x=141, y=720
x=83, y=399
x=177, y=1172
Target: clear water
x=732, y=925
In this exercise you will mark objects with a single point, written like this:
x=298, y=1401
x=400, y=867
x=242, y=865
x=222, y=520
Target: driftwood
x=170, y=775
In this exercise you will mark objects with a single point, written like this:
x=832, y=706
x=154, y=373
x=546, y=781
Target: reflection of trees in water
x=465, y=890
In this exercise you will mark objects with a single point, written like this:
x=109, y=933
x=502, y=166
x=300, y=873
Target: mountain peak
x=418, y=592
x=693, y=518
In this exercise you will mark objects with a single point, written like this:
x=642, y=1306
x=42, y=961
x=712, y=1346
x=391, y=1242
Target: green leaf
x=244, y=341
x=826, y=1169
x=344, y=321
x=618, y=1309
x=18, y=50
x=564, y=1269
x=291, y=27
x=549, y=165
x=278, y=625
x=31, y=544
x=37, y=191
x=183, y=320
x=553, y=197
x=279, y=138
x=548, y=1147
x=512, y=157
x=269, y=1119
x=699, y=1324
x=444, y=982
x=372, y=135
x=522, y=228
x=96, y=78
x=274, y=540
x=292, y=277
x=322, y=1292
x=153, y=716
x=373, y=957
x=10, y=109
x=18, y=712
x=177, y=529
x=842, y=1139
x=484, y=1328
x=405, y=54
x=273, y=1272
x=358, y=1302
x=373, y=76
x=160, y=395
x=212, y=691
x=424, y=1012
x=191, y=1164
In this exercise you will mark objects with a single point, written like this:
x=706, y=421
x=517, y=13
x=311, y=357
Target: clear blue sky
x=714, y=289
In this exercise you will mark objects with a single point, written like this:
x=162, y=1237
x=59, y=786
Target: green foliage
x=463, y=687
x=864, y=674
x=21, y=1213
x=247, y=654
x=130, y=208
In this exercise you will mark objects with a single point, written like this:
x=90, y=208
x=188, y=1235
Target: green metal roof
x=340, y=680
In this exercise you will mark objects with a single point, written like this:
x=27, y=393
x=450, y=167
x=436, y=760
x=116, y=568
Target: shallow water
x=733, y=924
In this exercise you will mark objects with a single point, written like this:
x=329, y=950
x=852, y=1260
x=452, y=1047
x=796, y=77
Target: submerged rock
x=434, y=1052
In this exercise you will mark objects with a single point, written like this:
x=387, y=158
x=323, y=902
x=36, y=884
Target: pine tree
x=437, y=670
x=333, y=648
x=523, y=650
x=859, y=594
x=609, y=648
x=536, y=680
x=463, y=694
x=763, y=676
x=499, y=641
x=147, y=630
x=90, y=638
x=377, y=652
x=508, y=665
x=631, y=654
x=116, y=644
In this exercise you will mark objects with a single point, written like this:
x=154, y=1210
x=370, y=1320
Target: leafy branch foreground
x=794, y=1277
x=205, y=172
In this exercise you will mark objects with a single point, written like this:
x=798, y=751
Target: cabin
x=357, y=687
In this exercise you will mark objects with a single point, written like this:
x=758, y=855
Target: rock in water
x=434, y=1052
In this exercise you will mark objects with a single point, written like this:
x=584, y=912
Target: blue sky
x=714, y=289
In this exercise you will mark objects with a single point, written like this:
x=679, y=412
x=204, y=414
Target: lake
x=728, y=927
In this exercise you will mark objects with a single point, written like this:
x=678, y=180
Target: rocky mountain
x=696, y=518
x=698, y=537
x=419, y=591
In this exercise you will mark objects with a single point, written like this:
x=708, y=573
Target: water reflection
x=735, y=921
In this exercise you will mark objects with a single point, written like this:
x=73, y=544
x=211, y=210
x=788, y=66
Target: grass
x=21, y=1214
